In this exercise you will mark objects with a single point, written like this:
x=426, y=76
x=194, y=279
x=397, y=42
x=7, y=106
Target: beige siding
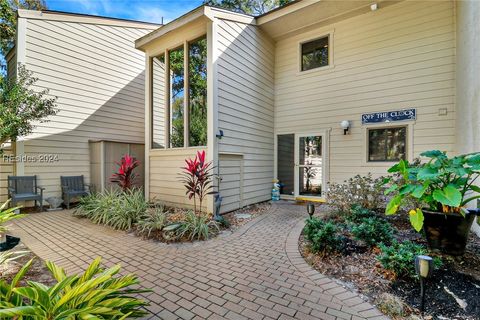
x=231, y=184
x=398, y=57
x=6, y=169
x=165, y=169
x=98, y=77
x=245, y=107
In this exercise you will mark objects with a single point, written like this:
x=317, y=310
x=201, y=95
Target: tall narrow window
x=177, y=95
x=158, y=102
x=197, y=92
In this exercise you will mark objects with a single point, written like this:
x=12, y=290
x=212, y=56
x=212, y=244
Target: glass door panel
x=310, y=165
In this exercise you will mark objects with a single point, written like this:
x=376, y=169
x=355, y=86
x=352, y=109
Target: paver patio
x=255, y=273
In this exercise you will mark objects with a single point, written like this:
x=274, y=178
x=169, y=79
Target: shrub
x=373, y=231
x=96, y=294
x=125, y=177
x=322, y=235
x=358, y=213
x=120, y=210
x=196, y=227
x=6, y=215
x=399, y=257
x=152, y=222
x=364, y=191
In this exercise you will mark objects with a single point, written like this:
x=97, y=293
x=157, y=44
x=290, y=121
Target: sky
x=143, y=10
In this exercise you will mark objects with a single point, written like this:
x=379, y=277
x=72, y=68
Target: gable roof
x=84, y=18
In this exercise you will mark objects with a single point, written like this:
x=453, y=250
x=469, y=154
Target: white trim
x=325, y=133
x=186, y=97
x=409, y=144
x=331, y=64
x=217, y=13
x=212, y=103
x=175, y=24
x=21, y=44
x=88, y=19
x=148, y=122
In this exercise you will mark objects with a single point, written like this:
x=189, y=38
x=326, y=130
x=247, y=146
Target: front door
x=309, y=165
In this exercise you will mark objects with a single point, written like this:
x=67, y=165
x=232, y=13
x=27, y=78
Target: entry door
x=309, y=165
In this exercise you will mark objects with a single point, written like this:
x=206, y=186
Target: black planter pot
x=11, y=243
x=448, y=233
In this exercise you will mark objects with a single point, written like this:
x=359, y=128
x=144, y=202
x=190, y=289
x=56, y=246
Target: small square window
x=387, y=144
x=315, y=53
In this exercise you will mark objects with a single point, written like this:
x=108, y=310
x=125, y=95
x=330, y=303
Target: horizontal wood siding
x=6, y=169
x=165, y=169
x=98, y=77
x=398, y=57
x=245, y=107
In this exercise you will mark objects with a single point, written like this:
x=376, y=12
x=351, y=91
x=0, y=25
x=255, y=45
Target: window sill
x=316, y=70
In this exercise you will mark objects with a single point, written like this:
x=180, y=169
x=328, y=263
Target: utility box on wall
x=104, y=154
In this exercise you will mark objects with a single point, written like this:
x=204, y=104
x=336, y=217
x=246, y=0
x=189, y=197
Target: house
x=91, y=65
x=310, y=93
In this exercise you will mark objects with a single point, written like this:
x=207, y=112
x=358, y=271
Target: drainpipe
x=218, y=197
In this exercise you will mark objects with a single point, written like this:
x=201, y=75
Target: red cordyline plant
x=197, y=178
x=125, y=177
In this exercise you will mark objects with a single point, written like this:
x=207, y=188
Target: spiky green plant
x=96, y=294
x=6, y=215
x=120, y=210
x=152, y=222
x=196, y=227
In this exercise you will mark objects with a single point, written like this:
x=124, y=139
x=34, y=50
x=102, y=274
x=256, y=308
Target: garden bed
x=453, y=292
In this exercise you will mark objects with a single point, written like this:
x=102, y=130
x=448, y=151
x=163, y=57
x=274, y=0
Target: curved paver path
x=255, y=273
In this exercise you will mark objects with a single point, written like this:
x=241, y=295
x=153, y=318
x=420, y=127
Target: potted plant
x=436, y=194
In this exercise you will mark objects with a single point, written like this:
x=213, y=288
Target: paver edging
x=354, y=303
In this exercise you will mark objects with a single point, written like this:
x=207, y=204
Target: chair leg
x=68, y=202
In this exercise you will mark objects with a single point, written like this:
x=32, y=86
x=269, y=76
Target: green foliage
x=399, y=257
x=8, y=19
x=322, y=235
x=152, y=222
x=442, y=184
x=7, y=214
x=373, y=231
x=358, y=213
x=196, y=227
x=197, y=79
x=21, y=106
x=252, y=7
x=223, y=222
x=120, y=210
x=96, y=294
x=364, y=191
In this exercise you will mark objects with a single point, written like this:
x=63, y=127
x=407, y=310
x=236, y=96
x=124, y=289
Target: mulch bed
x=38, y=272
x=452, y=286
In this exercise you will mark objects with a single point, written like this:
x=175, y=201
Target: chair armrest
x=41, y=188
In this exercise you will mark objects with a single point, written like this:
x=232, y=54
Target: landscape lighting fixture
x=310, y=209
x=424, y=268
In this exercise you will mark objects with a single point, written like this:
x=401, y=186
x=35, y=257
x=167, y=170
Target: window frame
x=405, y=126
x=185, y=45
x=330, y=35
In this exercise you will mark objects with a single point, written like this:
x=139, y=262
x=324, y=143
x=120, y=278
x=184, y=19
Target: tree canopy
x=252, y=7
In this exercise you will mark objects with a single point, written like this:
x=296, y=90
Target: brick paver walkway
x=255, y=273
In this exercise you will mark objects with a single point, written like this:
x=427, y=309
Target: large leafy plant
x=197, y=179
x=442, y=184
x=95, y=294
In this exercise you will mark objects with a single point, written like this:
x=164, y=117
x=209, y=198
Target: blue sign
x=389, y=116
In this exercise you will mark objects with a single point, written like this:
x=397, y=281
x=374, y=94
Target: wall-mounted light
x=374, y=6
x=219, y=135
x=345, y=124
